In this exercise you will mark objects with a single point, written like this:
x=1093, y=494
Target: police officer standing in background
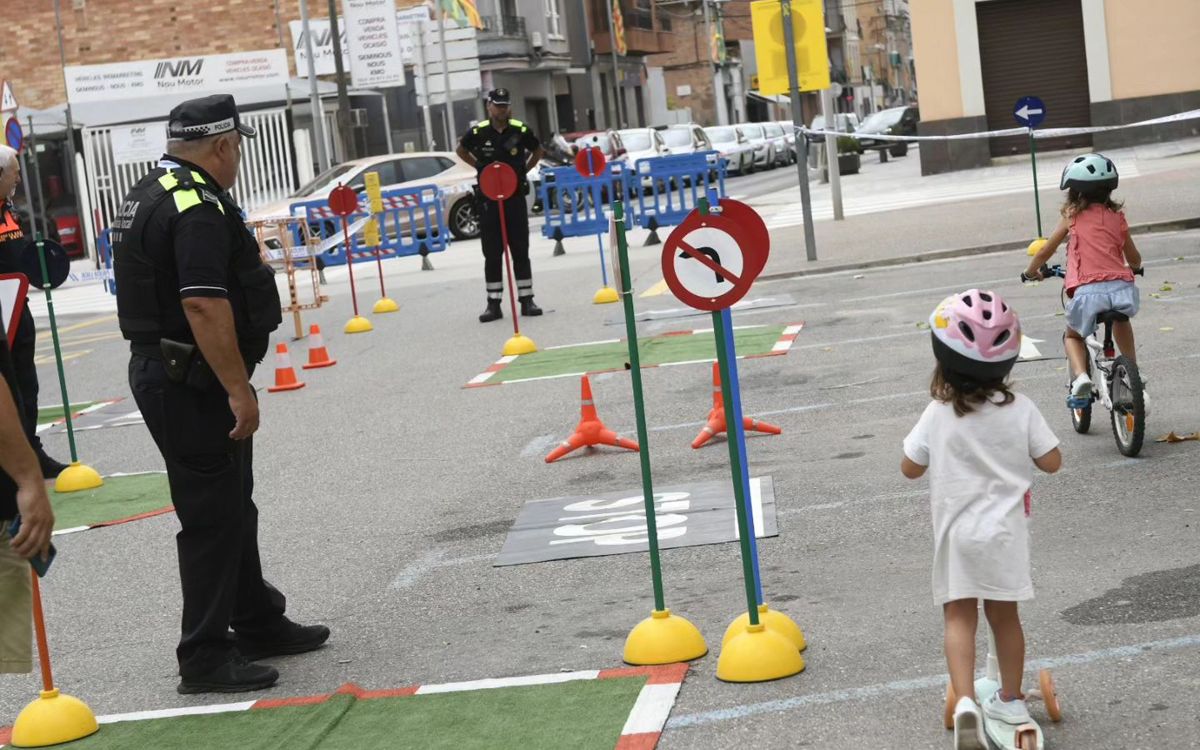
x=500, y=138
x=13, y=247
x=198, y=306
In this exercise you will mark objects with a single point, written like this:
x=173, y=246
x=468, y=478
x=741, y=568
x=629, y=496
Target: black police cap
x=211, y=115
x=499, y=96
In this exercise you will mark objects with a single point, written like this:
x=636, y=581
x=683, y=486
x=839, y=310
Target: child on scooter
x=979, y=441
x=1098, y=251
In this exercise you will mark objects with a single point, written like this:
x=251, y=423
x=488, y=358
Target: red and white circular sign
x=709, y=262
x=590, y=162
x=498, y=181
x=343, y=201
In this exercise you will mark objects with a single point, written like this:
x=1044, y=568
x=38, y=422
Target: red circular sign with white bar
x=343, y=201
x=590, y=162
x=498, y=181
x=709, y=262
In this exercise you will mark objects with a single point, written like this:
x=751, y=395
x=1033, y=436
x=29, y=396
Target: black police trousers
x=23, y=352
x=517, y=224
x=212, y=483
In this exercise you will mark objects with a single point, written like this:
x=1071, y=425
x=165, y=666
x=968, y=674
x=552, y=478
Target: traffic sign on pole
x=590, y=162
x=13, y=135
x=1029, y=111
x=8, y=101
x=710, y=261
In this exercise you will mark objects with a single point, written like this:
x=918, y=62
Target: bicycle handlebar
x=1057, y=270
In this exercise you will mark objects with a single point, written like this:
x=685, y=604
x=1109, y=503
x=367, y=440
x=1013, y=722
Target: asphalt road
x=386, y=489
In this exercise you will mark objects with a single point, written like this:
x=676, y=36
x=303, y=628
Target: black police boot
x=236, y=675
x=50, y=468
x=493, y=312
x=529, y=308
x=290, y=638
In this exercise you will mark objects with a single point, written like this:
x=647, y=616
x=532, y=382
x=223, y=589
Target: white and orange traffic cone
x=318, y=355
x=285, y=374
x=590, y=431
x=716, y=417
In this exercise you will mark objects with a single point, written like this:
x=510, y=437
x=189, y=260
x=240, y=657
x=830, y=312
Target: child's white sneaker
x=1082, y=386
x=968, y=726
x=1010, y=712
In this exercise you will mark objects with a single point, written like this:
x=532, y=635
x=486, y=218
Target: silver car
x=779, y=139
x=733, y=147
x=764, y=150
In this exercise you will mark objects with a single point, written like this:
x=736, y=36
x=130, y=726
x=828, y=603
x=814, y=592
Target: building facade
x=1093, y=62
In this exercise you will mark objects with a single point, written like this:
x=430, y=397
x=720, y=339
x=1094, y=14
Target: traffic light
x=812, y=58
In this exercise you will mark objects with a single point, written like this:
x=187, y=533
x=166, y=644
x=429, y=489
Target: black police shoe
x=493, y=312
x=529, y=308
x=234, y=676
x=291, y=638
x=50, y=468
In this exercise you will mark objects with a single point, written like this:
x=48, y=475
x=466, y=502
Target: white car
x=689, y=138
x=779, y=140
x=733, y=146
x=635, y=144
x=442, y=168
x=789, y=134
x=764, y=150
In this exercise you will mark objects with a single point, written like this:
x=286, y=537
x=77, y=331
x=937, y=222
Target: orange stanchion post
x=285, y=374
x=318, y=354
x=590, y=431
x=716, y=417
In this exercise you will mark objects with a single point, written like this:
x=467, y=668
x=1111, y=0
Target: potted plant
x=849, y=155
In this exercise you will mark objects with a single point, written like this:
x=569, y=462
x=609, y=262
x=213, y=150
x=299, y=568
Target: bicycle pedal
x=1078, y=403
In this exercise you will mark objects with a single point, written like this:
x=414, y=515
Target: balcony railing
x=507, y=26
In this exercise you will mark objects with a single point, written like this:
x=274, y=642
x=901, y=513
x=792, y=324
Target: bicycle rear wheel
x=1129, y=407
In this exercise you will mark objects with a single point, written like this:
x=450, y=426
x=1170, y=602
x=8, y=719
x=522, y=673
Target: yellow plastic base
x=605, y=296
x=385, y=305
x=1036, y=246
x=519, y=344
x=53, y=719
x=663, y=638
x=777, y=621
x=358, y=324
x=758, y=655
x=77, y=477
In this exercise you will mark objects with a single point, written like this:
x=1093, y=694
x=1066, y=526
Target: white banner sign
x=374, y=43
x=139, y=143
x=322, y=47
x=207, y=74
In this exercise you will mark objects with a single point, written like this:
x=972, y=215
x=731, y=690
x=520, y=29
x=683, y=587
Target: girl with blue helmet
x=1101, y=261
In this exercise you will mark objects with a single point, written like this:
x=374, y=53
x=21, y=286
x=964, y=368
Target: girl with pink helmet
x=980, y=442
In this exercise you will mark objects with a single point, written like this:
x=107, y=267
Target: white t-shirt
x=980, y=467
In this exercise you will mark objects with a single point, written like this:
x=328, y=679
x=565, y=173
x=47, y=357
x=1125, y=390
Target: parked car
x=779, y=141
x=634, y=144
x=764, y=150
x=733, y=147
x=894, y=121
x=789, y=134
x=442, y=168
x=688, y=138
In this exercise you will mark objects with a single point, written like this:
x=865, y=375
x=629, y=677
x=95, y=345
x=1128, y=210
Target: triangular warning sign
x=8, y=102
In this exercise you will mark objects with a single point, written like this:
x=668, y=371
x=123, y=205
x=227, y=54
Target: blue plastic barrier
x=412, y=223
x=668, y=187
x=573, y=205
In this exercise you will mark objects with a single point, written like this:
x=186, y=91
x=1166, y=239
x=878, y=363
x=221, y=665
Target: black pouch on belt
x=185, y=365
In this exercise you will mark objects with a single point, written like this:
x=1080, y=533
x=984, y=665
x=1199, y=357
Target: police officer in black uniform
x=14, y=248
x=198, y=306
x=501, y=138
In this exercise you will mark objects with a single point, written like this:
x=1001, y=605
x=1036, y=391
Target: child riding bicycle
x=1101, y=262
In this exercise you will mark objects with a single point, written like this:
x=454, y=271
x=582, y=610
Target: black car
x=894, y=121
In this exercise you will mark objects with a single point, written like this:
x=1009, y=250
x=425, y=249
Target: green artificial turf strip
x=51, y=414
x=118, y=498
x=581, y=715
x=654, y=351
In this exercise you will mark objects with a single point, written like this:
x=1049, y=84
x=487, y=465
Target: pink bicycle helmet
x=976, y=335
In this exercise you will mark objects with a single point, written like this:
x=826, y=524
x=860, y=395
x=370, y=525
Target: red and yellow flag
x=618, y=22
x=464, y=12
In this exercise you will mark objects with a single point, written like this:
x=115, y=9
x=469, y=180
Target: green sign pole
x=1037, y=204
x=639, y=404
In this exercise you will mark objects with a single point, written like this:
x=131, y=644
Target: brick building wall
x=108, y=31
x=687, y=64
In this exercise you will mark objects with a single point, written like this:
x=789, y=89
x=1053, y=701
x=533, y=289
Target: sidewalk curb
x=1153, y=227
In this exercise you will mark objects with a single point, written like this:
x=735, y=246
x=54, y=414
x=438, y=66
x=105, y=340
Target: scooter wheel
x=948, y=711
x=1049, y=695
x=1027, y=740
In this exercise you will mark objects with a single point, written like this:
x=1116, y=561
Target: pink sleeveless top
x=1095, y=248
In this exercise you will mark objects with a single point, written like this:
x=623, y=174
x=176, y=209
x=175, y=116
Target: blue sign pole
x=735, y=428
x=1030, y=111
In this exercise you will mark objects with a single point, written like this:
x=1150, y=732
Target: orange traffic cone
x=716, y=418
x=285, y=374
x=590, y=430
x=318, y=355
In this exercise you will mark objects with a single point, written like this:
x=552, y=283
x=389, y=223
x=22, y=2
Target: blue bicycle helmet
x=1088, y=174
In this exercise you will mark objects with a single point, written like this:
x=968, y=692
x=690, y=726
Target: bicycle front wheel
x=1129, y=407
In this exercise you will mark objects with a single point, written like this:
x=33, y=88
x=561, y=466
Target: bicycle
x=1117, y=384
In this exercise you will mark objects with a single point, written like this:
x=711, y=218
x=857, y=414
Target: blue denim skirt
x=1091, y=300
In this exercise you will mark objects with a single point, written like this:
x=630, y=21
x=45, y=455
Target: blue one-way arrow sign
x=1029, y=111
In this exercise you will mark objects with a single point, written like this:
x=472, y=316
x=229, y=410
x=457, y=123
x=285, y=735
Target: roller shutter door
x=1034, y=48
